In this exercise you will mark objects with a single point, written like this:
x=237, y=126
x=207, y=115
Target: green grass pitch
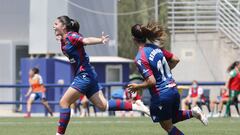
x=115, y=126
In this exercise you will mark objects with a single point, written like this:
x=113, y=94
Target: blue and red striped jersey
x=150, y=60
x=72, y=47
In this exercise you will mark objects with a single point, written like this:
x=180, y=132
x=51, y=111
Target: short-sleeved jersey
x=73, y=48
x=36, y=83
x=150, y=60
x=168, y=55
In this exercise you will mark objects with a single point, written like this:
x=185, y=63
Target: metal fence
x=192, y=16
x=229, y=20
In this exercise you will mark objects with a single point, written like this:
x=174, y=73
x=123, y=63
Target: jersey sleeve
x=168, y=55
x=76, y=39
x=144, y=68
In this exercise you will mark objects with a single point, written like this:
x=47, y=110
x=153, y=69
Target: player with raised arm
x=85, y=78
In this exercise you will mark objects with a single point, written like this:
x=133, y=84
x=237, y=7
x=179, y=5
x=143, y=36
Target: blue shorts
x=38, y=95
x=167, y=106
x=86, y=84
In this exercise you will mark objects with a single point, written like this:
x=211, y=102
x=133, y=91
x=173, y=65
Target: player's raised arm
x=94, y=40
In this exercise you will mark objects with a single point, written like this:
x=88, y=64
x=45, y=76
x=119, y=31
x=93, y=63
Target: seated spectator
x=219, y=101
x=194, y=95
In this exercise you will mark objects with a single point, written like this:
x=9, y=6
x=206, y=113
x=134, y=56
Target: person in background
x=219, y=101
x=36, y=91
x=194, y=95
x=233, y=85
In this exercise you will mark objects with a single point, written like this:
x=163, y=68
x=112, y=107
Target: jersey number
x=163, y=67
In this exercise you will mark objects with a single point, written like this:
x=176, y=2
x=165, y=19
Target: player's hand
x=132, y=88
x=105, y=38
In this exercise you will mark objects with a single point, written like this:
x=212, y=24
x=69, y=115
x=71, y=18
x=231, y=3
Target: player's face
x=31, y=73
x=59, y=28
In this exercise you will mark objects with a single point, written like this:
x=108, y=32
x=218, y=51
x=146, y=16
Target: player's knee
x=102, y=106
x=64, y=104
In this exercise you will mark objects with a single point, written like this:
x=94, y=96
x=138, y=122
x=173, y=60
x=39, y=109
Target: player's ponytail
x=75, y=25
x=152, y=32
x=232, y=66
x=71, y=25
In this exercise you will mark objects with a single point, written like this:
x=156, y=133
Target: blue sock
x=175, y=131
x=117, y=105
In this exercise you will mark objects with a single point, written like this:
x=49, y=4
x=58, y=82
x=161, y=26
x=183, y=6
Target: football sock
x=64, y=119
x=175, y=131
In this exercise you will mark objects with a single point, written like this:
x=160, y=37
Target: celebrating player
x=84, y=83
x=36, y=91
x=153, y=66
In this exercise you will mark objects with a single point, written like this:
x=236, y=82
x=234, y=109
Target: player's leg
x=185, y=102
x=231, y=96
x=45, y=104
x=179, y=115
x=84, y=102
x=167, y=125
x=30, y=100
x=220, y=106
x=194, y=101
x=115, y=105
x=69, y=97
x=212, y=107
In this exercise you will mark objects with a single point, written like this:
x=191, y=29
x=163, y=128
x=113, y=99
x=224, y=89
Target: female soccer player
x=153, y=66
x=36, y=91
x=233, y=85
x=85, y=82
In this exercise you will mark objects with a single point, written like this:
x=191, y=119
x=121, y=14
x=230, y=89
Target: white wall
x=14, y=16
x=205, y=60
x=42, y=16
x=7, y=72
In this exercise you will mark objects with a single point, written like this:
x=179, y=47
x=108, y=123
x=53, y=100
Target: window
x=114, y=73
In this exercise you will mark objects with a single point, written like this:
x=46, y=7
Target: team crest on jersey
x=72, y=60
x=145, y=71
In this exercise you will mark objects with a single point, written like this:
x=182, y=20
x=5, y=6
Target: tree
x=126, y=48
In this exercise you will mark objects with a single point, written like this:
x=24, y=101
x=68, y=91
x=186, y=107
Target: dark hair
x=71, y=24
x=232, y=66
x=152, y=32
x=35, y=70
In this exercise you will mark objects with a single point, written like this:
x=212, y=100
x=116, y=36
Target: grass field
x=115, y=126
